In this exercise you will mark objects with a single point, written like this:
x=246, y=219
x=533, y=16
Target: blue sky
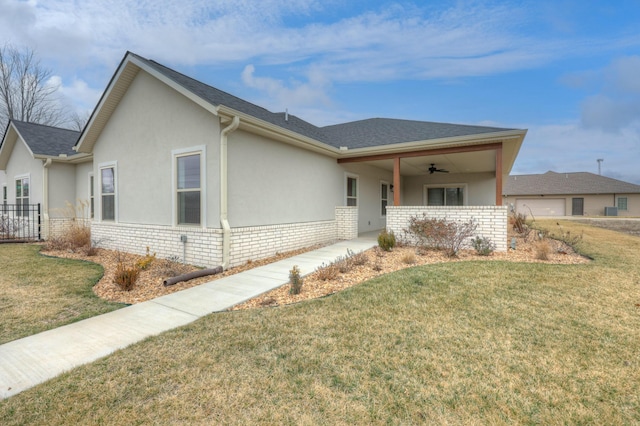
x=566, y=70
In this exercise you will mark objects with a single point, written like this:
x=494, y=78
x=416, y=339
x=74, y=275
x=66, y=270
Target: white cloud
x=295, y=94
x=570, y=147
x=617, y=104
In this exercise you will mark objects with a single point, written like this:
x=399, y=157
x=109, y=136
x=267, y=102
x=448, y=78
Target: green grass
x=454, y=343
x=38, y=293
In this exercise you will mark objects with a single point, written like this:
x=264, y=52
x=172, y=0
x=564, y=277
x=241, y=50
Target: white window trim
x=98, y=205
x=384, y=182
x=346, y=189
x=202, y=150
x=89, y=196
x=5, y=196
x=464, y=186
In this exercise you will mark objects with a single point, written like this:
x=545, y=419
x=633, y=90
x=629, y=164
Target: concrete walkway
x=35, y=359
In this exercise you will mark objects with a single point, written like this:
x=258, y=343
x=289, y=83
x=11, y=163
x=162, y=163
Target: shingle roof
x=387, y=131
x=357, y=134
x=47, y=140
x=552, y=183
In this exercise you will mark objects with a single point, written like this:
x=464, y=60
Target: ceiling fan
x=433, y=169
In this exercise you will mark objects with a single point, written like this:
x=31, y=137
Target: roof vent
x=286, y=114
x=344, y=148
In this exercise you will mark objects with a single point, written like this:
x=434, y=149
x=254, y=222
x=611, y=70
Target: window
x=91, y=199
x=352, y=191
x=4, y=198
x=108, y=192
x=622, y=203
x=22, y=196
x=445, y=196
x=188, y=189
x=384, y=198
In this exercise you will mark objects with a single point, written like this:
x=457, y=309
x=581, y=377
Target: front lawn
x=38, y=293
x=452, y=343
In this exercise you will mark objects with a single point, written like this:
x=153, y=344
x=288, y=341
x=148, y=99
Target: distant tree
x=77, y=120
x=26, y=93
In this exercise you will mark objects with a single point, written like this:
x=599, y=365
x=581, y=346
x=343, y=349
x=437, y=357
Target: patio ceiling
x=465, y=162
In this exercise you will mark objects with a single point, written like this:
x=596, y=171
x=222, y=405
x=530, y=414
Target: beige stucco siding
x=370, y=180
x=62, y=190
x=82, y=172
x=150, y=122
x=271, y=182
x=21, y=163
x=481, y=187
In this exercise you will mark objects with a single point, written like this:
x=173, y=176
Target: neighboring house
x=191, y=171
x=41, y=167
x=566, y=194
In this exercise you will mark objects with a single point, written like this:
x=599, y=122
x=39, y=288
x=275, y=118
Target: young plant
x=440, y=233
x=125, y=277
x=386, y=240
x=483, y=245
x=295, y=280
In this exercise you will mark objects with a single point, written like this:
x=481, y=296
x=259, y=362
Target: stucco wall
x=271, y=182
x=369, y=183
x=62, y=190
x=82, y=172
x=481, y=187
x=151, y=121
x=22, y=163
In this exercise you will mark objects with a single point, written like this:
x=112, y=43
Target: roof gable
x=552, y=183
x=331, y=140
x=40, y=140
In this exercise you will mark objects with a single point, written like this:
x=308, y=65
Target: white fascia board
x=261, y=127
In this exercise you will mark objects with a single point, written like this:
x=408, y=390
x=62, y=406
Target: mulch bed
x=149, y=284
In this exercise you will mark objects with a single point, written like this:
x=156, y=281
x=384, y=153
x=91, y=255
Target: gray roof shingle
x=357, y=134
x=47, y=140
x=552, y=183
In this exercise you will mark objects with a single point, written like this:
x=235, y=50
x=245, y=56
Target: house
x=40, y=167
x=191, y=171
x=577, y=194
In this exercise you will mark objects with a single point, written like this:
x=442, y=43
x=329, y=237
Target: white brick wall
x=257, y=242
x=203, y=247
x=491, y=220
x=346, y=222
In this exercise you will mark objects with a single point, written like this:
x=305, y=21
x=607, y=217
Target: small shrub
x=566, y=237
x=441, y=234
x=146, y=261
x=343, y=263
x=327, y=272
x=358, y=259
x=409, y=258
x=125, y=277
x=386, y=240
x=296, y=280
x=377, y=265
x=542, y=250
x=483, y=245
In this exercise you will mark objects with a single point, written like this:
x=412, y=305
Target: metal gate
x=20, y=223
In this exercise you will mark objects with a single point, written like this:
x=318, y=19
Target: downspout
x=45, y=197
x=224, y=214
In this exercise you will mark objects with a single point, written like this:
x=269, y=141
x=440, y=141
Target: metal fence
x=20, y=222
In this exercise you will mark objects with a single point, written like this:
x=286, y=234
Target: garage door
x=541, y=207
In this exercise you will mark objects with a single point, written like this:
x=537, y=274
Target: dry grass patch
x=39, y=293
x=451, y=343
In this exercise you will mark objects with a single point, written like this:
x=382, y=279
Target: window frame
x=103, y=166
x=355, y=197
x=20, y=204
x=626, y=203
x=384, y=202
x=200, y=150
x=444, y=186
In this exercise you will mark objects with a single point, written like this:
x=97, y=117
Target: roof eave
x=264, y=128
x=71, y=159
